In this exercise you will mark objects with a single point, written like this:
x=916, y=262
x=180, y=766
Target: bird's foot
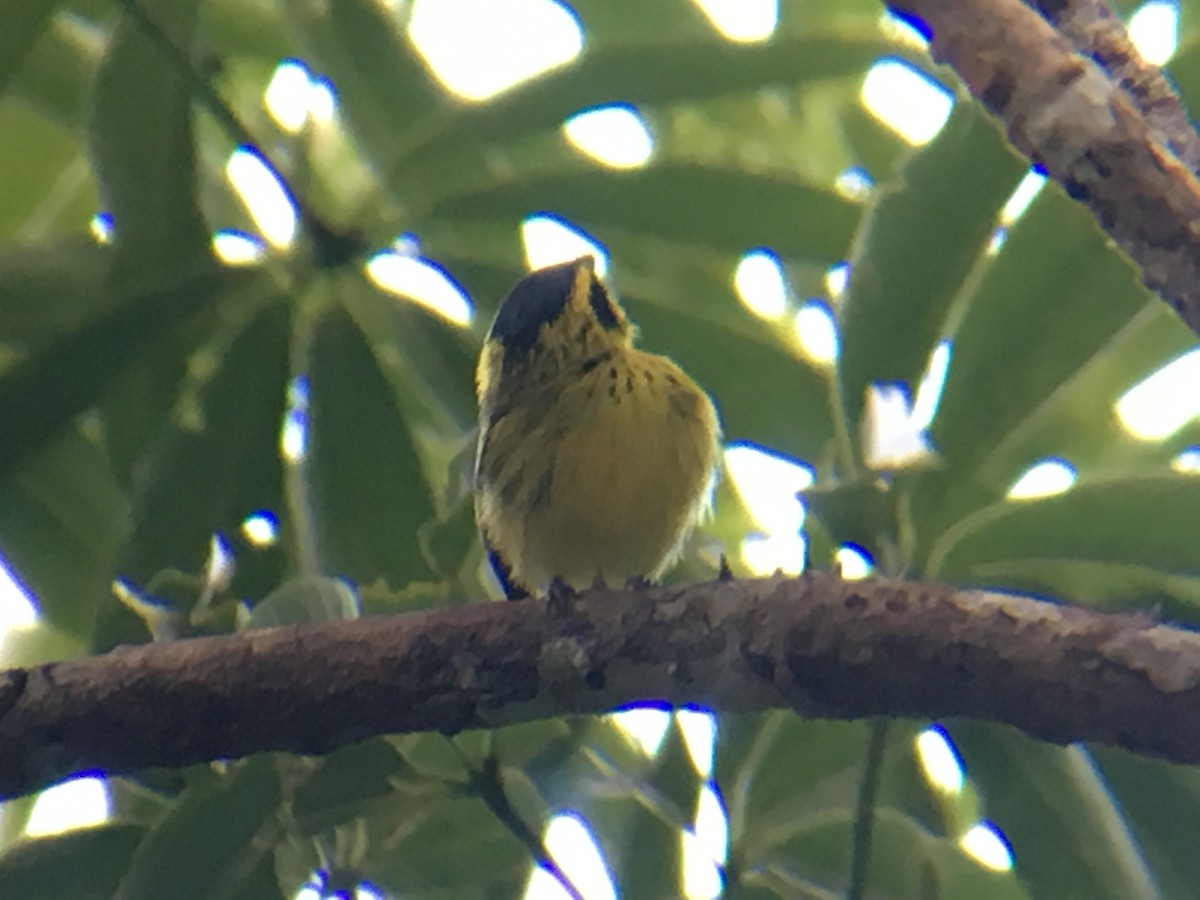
x=724, y=573
x=560, y=597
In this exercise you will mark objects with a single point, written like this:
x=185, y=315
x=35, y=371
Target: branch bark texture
x=1097, y=34
x=1062, y=110
x=820, y=645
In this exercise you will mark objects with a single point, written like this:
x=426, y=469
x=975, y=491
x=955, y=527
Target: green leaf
x=906, y=861
x=85, y=864
x=219, y=461
x=42, y=393
x=767, y=789
x=142, y=145
x=1076, y=420
x=647, y=862
x=51, y=288
x=24, y=21
x=719, y=209
x=1057, y=276
x=1158, y=799
x=926, y=231
x=426, y=855
x=216, y=841
x=428, y=363
x=383, y=87
x=46, y=186
x=1067, y=545
x=1042, y=797
x=861, y=512
x=309, y=598
x=62, y=520
x=58, y=72
x=36, y=645
x=346, y=783
x=369, y=492
x=655, y=71
x=247, y=28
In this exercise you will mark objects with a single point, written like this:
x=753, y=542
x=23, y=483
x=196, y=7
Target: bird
x=595, y=460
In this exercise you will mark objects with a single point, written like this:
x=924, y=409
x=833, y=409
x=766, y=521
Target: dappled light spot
x=929, y=391
x=939, y=760
x=742, y=21
x=294, y=96
x=892, y=437
x=79, y=803
x=854, y=183
x=320, y=888
x=906, y=100
x=286, y=96
x=264, y=195
x=768, y=484
x=18, y=609
x=261, y=528
x=571, y=844
x=996, y=241
x=766, y=554
x=1163, y=402
x=701, y=874
x=987, y=845
x=422, y=282
x=855, y=562
x=699, y=730
x=1187, y=462
x=17, y=606
x=293, y=433
x=1154, y=30
x=238, y=248
x=837, y=277
x=1022, y=196
x=550, y=239
x=760, y=284
x=322, y=100
x=219, y=566
x=479, y=48
x=644, y=726
x=712, y=824
x=615, y=135
x=903, y=30
x=1044, y=479
x=816, y=330
x=101, y=227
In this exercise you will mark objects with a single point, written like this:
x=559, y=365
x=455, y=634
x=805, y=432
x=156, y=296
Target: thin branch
x=332, y=247
x=825, y=647
x=864, y=811
x=487, y=785
x=1062, y=110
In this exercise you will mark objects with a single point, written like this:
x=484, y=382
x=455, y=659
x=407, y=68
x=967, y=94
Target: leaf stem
x=332, y=247
x=864, y=812
x=485, y=783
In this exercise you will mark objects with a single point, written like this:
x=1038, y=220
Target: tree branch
x=1062, y=111
x=823, y=646
x=1098, y=34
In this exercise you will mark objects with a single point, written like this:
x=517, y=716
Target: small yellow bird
x=595, y=459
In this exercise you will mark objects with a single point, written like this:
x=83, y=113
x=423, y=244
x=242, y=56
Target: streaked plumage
x=595, y=459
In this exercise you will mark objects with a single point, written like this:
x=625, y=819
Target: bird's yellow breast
x=603, y=476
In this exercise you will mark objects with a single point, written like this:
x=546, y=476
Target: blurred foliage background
x=220, y=414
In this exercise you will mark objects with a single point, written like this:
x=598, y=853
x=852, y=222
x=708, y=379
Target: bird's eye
x=602, y=306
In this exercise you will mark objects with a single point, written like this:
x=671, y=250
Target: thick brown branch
x=824, y=647
x=1063, y=112
x=1097, y=33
